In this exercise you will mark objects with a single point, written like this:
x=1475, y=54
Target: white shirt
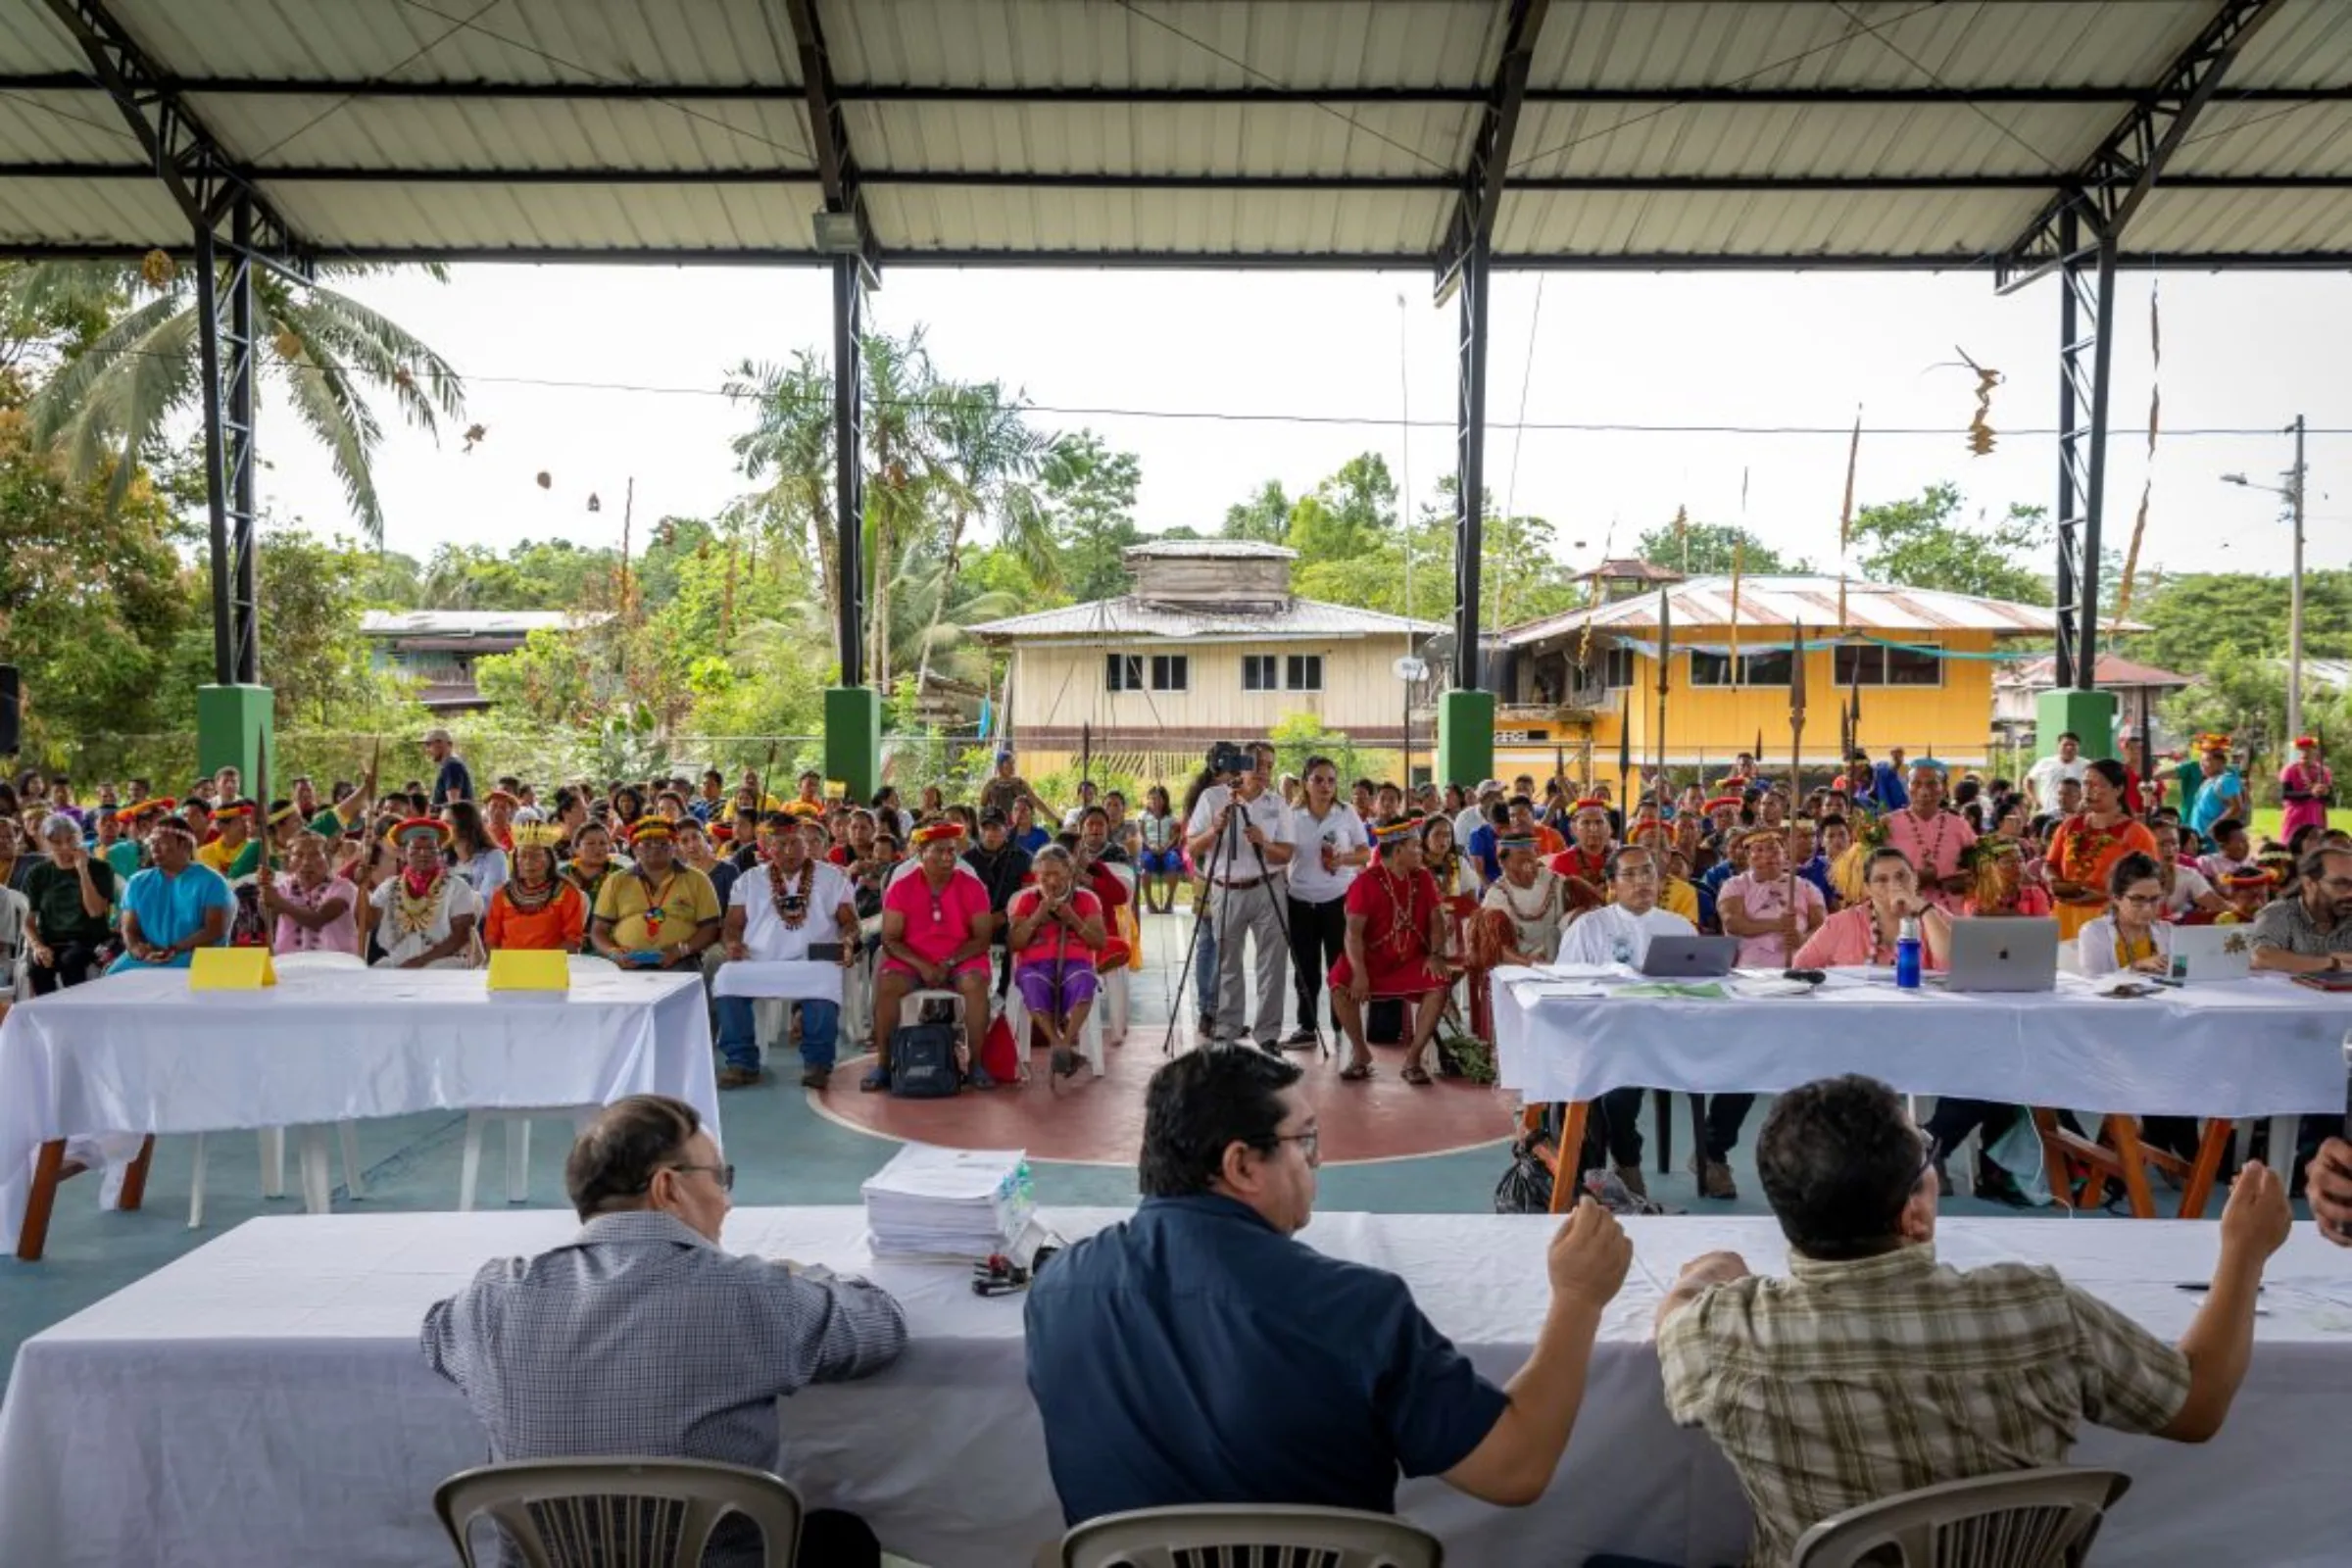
x=2095, y=945
x=1266, y=813
x=1466, y=822
x=2189, y=886
x=458, y=899
x=1344, y=832
x=764, y=932
x=2043, y=777
x=1599, y=935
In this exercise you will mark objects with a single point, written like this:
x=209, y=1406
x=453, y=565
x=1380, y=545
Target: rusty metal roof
x=1704, y=604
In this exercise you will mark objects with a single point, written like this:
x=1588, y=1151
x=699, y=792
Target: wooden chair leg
x=1569, y=1156
x=2053, y=1163
x=1661, y=1102
x=46, y=1173
x=2197, y=1190
x=2124, y=1133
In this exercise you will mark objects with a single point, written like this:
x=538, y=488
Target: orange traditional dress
x=2083, y=854
x=546, y=920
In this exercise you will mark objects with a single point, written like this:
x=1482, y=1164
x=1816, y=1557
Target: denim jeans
x=739, y=1040
x=1204, y=967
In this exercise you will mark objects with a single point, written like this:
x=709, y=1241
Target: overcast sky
x=597, y=374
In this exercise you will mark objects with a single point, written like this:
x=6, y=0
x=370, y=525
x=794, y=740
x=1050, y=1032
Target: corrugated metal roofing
x=1656, y=131
x=1704, y=604
x=472, y=622
x=1212, y=549
x=1128, y=616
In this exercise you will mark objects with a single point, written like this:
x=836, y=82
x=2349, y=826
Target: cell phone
x=647, y=956
x=824, y=951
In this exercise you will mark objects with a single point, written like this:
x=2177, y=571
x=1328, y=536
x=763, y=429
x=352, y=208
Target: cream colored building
x=1211, y=645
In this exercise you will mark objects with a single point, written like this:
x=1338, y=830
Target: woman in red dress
x=1395, y=942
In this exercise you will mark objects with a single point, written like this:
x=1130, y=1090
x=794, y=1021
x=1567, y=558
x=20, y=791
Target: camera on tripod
x=1229, y=756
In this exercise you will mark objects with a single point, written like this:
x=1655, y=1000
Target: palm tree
x=790, y=450
x=989, y=454
x=110, y=397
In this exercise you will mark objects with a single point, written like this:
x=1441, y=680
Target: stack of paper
x=949, y=1203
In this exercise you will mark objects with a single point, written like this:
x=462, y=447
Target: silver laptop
x=2003, y=953
x=2208, y=953
x=1689, y=957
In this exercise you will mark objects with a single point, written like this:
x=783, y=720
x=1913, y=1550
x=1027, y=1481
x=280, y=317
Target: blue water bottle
x=1906, y=953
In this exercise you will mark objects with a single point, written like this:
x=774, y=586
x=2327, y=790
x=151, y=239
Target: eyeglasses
x=724, y=1175
x=2143, y=898
x=1310, y=1144
x=1927, y=1160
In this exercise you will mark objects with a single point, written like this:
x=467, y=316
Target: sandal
x=1417, y=1075
x=1356, y=1071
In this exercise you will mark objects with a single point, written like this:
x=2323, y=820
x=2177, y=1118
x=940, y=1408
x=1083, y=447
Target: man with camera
x=1240, y=834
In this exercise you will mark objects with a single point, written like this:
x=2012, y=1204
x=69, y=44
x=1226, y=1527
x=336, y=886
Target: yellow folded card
x=230, y=969
x=515, y=969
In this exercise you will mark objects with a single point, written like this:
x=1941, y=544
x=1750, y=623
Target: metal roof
x=1704, y=604
x=1131, y=618
x=1207, y=550
x=2110, y=670
x=473, y=623
x=1305, y=133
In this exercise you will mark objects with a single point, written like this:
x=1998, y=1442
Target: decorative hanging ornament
x=289, y=346
x=474, y=434
x=594, y=505
x=157, y=269
x=545, y=480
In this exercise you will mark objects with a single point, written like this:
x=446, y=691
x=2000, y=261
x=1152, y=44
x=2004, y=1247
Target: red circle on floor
x=1089, y=1120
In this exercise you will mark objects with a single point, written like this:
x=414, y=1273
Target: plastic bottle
x=1907, y=950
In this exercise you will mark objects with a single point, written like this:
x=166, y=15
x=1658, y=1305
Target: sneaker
x=1714, y=1177
x=981, y=1078
x=1630, y=1175
x=1300, y=1039
x=1065, y=1062
x=1208, y=1026
x=739, y=1077
x=817, y=1077
x=876, y=1079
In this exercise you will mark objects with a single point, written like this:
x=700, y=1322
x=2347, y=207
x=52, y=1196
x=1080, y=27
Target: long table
x=140, y=1053
x=2261, y=1046
x=261, y=1400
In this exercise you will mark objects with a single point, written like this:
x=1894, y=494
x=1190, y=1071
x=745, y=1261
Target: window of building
x=1259, y=673
x=1304, y=672
x=1171, y=672
x=1870, y=664
x=1123, y=673
x=1859, y=666
x=1617, y=668
x=1755, y=670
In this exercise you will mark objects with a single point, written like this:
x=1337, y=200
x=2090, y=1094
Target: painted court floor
x=1387, y=1148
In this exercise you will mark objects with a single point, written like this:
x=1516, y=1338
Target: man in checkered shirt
x=639, y=1337
x=1874, y=1370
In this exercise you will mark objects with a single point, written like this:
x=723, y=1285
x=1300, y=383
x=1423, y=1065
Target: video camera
x=1229, y=756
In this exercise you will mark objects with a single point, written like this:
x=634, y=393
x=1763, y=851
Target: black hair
x=2130, y=868
x=1839, y=1158
x=1092, y=811
x=1201, y=1104
x=1887, y=852
x=2311, y=869
x=2114, y=772
x=1623, y=850
x=469, y=837
x=615, y=1160
x=2225, y=827
x=2070, y=735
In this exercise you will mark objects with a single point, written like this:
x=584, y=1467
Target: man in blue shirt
x=172, y=908
x=1887, y=782
x=454, y=780
x=1198, y=1354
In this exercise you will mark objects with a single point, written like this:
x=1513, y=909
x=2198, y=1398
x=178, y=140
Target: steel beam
x=829, y=134
x=224, y=318
x=1469, y=461
x=1472, y=227
x=2118, y=175
x=202, y=179
x=2086, y=356
x=848, y=461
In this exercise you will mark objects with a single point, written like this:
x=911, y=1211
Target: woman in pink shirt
x=1056, y=926
x=936, y=927
x=1863, y=935
x=1760, y=908
x=315, y=909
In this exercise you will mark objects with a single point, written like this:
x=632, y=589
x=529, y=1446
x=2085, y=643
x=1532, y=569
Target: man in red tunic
x=1394, y=947
x=1585, y=862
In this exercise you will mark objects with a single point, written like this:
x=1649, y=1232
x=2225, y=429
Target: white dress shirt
x=1612, y=934
x=1266, y=813
x=1344, y=832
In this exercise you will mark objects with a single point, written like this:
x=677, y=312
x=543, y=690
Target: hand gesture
x=2257, y=1215
x=42, y=957
x=1588, y=1256
x=1359, y=987
x=1714, y=1268
x=2330, y=1188
x=738, y=951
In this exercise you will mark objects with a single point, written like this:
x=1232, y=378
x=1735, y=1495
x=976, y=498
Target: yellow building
x=1922, y=661
x=1211, y=645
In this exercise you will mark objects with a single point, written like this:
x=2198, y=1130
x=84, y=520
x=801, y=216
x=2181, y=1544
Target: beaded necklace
x=792, y=903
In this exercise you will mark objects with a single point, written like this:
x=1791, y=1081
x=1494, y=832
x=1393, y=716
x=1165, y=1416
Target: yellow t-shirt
x=1677, y=897
x=231, y=862
x=639, y=924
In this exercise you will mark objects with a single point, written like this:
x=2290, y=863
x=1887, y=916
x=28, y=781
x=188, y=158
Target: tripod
x=1227, y=850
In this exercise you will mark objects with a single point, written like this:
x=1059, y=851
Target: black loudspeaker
x=12, y=706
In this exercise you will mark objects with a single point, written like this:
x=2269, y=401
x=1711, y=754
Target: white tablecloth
x=2245, y=1048
x=788, y=979
x=139, y=1052
x=261, y=1400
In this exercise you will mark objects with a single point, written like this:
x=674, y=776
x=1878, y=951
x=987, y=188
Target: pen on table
x=2202, y=1286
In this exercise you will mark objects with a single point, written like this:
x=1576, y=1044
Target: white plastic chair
x=16, y=954
x=317, y=1195
x=1089, y=1034
x=2041, y=1518
x=1269, y=1535
x=1129, y=930
x=616, y=1513
x=517, y=1120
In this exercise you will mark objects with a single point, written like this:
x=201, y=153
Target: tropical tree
x=1708, y=549
x=987, y=456
x=109, y=401
x=1919, y=542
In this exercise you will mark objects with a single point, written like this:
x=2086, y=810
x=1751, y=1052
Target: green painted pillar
x=2089, y=715
x=854, y=739
x=235, y=727
x=1465, y=736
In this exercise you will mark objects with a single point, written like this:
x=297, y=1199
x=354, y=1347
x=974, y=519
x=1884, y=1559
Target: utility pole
x=2294, y=601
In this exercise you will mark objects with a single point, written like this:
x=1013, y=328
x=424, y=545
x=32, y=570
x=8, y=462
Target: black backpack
x=922, y=1054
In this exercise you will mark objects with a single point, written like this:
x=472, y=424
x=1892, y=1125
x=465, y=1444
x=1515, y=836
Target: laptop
x=1689, y=958
x=2003, y=953
x=2208, y=953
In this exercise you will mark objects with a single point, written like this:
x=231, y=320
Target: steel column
x=849, y=452
x=1470, y=461
x=216, y=455
x=2085, y=352
x=235, y=433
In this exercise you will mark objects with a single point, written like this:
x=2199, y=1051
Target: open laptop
x=1689, y=957
x=2208, y=953
x=2003, y=953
